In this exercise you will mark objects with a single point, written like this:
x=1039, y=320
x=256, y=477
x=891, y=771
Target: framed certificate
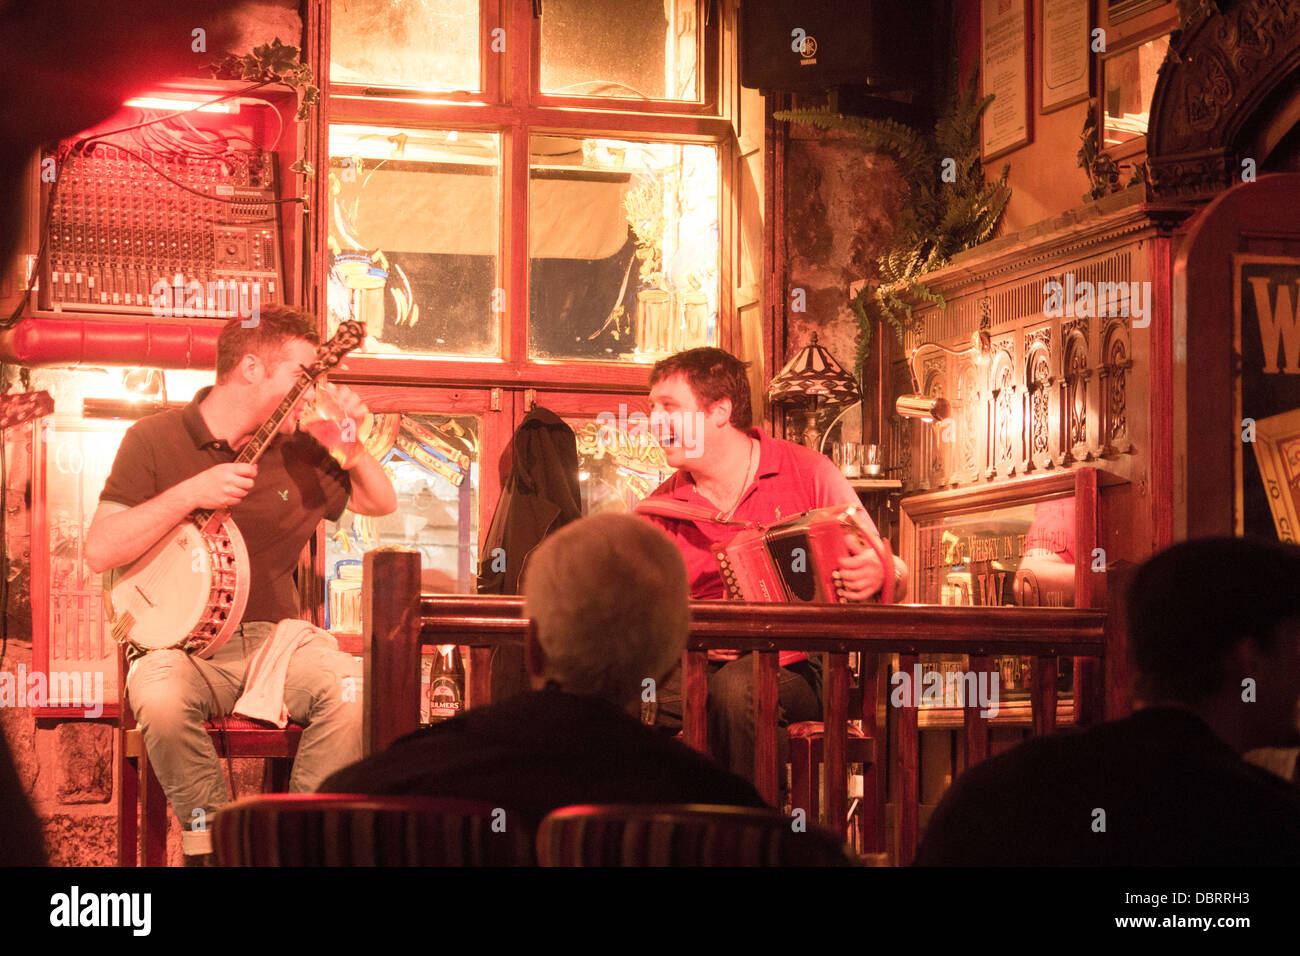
x=1004, y=72
x=1066, y=43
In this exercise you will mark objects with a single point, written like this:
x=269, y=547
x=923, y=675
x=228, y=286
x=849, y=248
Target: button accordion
x=791, y=561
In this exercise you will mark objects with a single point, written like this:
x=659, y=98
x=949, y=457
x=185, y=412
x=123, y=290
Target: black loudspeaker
x=808, y=45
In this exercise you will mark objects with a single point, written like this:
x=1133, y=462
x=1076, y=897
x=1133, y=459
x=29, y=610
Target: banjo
x=189, y=590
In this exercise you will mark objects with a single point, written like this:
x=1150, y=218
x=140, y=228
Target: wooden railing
x=399, y=620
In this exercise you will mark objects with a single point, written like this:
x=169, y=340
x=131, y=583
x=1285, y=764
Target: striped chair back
x=329, y=829
x=684, y=835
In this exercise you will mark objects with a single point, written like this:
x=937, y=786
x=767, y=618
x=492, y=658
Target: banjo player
x=178, y=461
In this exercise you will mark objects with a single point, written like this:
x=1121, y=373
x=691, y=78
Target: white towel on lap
x=263, y=697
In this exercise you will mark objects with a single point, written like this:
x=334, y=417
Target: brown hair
x=274, y=327
x=712, y=375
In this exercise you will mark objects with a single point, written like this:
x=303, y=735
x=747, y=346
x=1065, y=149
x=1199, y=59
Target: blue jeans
x=731, y=708
x=171, y=701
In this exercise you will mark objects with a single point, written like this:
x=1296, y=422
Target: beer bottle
x=446, y=684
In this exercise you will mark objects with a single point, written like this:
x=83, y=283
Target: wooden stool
x=142, y=807
x=807, y=739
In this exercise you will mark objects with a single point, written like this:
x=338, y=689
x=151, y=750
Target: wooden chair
x=684, y=835
x=330, y=829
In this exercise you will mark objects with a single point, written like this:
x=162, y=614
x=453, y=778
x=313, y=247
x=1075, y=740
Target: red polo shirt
x=791, y=479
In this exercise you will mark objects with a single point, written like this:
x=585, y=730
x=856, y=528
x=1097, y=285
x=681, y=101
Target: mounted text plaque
x=1004, y=72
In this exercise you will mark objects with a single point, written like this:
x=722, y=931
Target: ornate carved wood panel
x=1075, y=383
x=1038, y=400
x=1221, y=69
x=1112, y=385
x=1058, y=390
x=1004, y=425
x=968, y=415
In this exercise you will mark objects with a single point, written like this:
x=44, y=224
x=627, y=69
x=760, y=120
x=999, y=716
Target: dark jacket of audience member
x=542, y=750
x=1167, y=791
x=1214, y=631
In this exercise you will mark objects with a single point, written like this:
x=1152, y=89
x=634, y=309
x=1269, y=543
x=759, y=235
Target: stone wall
x=841, y=205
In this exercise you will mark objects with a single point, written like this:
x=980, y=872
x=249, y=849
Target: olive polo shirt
x=297, y=485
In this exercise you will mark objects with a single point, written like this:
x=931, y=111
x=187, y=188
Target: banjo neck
x=253, y=448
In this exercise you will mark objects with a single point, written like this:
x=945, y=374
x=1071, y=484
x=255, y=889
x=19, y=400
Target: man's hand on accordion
x=861, y=576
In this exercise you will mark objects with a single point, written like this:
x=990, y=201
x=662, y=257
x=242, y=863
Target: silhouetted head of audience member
x=1214, y=626
x=606, y=599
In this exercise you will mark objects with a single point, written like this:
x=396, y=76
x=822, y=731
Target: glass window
x=1129, y=80
x=1020, y=555
x=419, y=44
x=623, y=241
x=637, y=49
x=414, y=221
x=619, y=463
x=433, y=463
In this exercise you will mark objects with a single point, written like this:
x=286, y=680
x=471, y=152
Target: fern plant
x=951, y=208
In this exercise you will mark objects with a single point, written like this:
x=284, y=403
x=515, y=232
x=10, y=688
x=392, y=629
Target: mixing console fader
x=124, y=239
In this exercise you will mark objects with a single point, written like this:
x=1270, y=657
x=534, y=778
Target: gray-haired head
x=608, y=598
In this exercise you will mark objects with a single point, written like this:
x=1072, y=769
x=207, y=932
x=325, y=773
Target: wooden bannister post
x=977, y=727
x=1089, y=591
x=390, y=612
x=1117, y=689
x=907, y=767
x=835, y=704
x=695, y=700
x=1043, y=697
x=480, y=677
x=766, y=754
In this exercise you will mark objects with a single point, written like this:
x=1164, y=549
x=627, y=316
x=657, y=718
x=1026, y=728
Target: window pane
x=1130, y=81
x=637, y=49
x=414, y=220
x=623, y=245
x=420, y=44
x=433, y=463
x=619, y=463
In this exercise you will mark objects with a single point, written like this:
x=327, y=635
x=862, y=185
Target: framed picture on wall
x=1066, y=44
x=1005, y=55
x=1128, y=81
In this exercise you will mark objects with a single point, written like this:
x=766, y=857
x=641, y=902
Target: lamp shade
x=812, y=373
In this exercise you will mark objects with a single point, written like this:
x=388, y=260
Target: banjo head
x=185, y=592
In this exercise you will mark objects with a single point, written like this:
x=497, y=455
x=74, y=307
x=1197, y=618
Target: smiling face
x=682, y=427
